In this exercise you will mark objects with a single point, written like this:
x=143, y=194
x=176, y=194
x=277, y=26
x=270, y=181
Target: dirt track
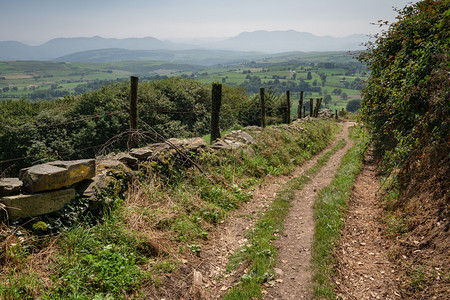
x=364, y=272
x=294, y=245
x=207, y=278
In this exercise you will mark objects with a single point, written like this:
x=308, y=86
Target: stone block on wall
x=23, y=206
x=79, y=170
x=10, y=186
x=56, y=175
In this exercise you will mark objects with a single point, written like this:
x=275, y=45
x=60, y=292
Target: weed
x=395, y=225
x=419, y=278
x=194, y=249
x=187, y=230
x=212, y=216
x=275, y=171
x=98, y=260
x=16, y=253
x=167, y=266
x=108, y=271
x=23, y=285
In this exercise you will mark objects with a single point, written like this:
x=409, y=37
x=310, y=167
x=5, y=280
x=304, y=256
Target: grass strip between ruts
x=329, y=211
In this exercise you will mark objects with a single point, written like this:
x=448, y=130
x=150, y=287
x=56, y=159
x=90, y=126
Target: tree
x=337, y=91
x=309, y=76
x=353, y=105
x=344, y=96
x=327, y=99
x=323, y=77
x=357, y=84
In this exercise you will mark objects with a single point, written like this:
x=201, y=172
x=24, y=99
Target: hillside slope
x=194, y=56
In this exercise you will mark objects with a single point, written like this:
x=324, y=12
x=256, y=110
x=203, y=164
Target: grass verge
x=164, y=213
x=329, y=208
x=260, y=254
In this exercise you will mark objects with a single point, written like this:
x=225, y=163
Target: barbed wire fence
x=133, y=134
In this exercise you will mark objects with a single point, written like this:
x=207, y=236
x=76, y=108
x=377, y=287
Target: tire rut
x=363, y=268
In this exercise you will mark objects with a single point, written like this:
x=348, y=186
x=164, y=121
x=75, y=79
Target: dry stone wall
x=46, y=188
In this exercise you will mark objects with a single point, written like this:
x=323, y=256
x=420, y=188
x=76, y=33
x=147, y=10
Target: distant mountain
x=192, y=57
x=64, y=46
x=259, y=41
x=284, y=41
x=16, y=50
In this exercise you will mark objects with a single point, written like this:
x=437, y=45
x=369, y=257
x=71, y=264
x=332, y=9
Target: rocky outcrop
x=127, y=159
x=193, y=144
x=141, y=154
x=42, y=183
x=42, y=178
x=159, y=151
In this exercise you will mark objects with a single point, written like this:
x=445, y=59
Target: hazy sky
x=36, y=21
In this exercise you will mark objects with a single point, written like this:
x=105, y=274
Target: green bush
x=353, y=105
x=405, y=104
x=76, y=127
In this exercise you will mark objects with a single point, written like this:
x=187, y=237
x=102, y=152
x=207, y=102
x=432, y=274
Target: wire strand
x=90, y=117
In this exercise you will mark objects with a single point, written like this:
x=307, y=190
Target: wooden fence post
x=311, y=107
x=263, y=108
x=300, y=106
x=315, y=108
x=288, y=107
x=216, y=98
x=304, y=111
x=336, y=116
x=318, y=103
x=133, y=140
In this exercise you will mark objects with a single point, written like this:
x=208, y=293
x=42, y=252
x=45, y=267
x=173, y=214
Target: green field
x=341, y=71
x=280, y=72
x=21, y=78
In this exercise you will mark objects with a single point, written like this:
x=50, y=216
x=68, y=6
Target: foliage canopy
x=405, y=103
x=80, y=126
